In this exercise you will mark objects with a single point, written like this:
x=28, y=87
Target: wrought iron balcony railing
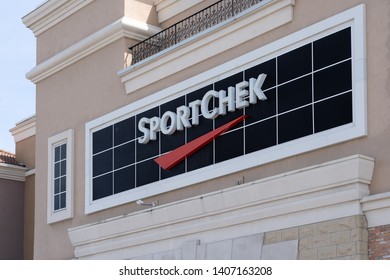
x=195, y=24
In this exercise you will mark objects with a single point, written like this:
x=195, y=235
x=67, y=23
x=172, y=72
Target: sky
x=17, y=57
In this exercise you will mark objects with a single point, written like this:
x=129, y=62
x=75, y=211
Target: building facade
x=252, y=129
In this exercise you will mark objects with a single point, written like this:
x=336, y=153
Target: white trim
x=377, y=209
x=52, y=12
x=24, y=129
x=314, y=194
x=12, y=172
x=353, y=17
x=61, y=138
x=30, y=172
x=167, y=9
x=231, y=33
x=122, y=28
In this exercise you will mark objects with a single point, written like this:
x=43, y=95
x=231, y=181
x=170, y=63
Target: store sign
x=237, y=97
x=299, y=93
x=230, y=100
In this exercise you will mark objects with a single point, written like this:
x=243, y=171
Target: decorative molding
x=30, y=172
x=24, y=129
x=167, y=9
x=122, y=28
x=52, y=12
x=377, y=209
x=314, y=194
x=254, y=22
x=12, y=172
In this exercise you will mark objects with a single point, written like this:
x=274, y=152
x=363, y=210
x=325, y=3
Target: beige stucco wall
x=95, y=16
x=11, y=219
x=142, y=10
x=25, y=152
x=90, y=88
x=90, y=19
x=29, y=211
x=84, y=89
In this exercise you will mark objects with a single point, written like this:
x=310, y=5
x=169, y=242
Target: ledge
x=30, y=172
x=318, y=193
x=24, y=129
x=377, y=209
x=12, y=172
x=52, y=12
x=122, y=28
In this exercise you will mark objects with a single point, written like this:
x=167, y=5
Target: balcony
x=191, y=26
x=245, y=26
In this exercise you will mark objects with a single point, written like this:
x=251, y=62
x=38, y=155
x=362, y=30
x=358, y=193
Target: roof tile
x=8, y=158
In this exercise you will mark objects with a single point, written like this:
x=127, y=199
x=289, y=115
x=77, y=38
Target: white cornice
x=317, y=193
x=24, y=129
x=12, y=172
x=377, y=209
x=52, y=12
x=122, y=28
x=30, y=172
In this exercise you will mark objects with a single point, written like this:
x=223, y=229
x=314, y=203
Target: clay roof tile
x=8, y=158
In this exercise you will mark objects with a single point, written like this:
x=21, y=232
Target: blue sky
x=17, y=57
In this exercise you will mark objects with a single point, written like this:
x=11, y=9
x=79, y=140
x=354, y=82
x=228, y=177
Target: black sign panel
x=308, y=90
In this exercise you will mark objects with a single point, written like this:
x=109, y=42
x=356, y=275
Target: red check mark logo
x=174, y=157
